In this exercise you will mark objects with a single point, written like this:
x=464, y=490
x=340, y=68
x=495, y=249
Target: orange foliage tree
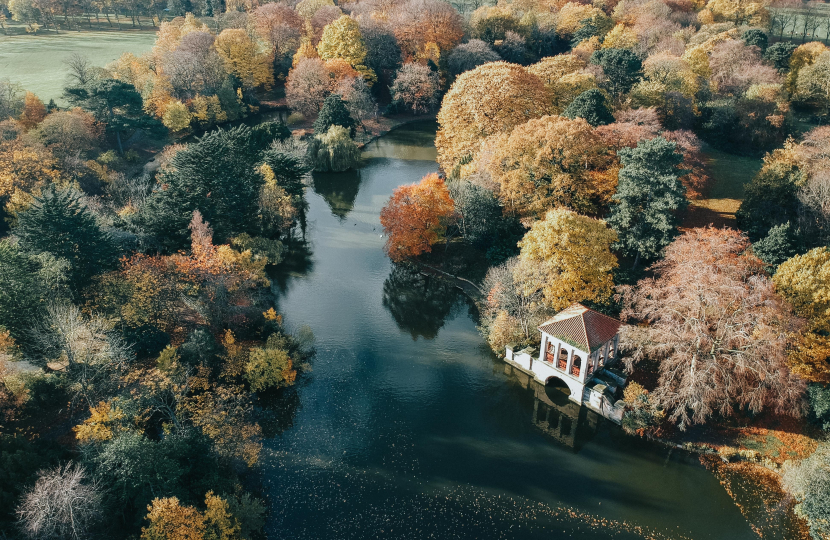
x=416, y=217
x=713, y=320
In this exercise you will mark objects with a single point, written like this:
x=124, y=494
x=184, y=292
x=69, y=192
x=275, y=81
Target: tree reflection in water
x=276, y=409
x=419, y=304
x=339, y=190
x=298, y=262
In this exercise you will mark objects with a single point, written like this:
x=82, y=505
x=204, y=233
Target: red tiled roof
x=582, y=327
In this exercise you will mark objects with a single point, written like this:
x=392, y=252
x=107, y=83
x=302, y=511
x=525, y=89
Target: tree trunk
x=118, y=138
x=636, y=260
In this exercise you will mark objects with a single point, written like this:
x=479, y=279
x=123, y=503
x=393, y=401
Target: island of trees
x=140, y=218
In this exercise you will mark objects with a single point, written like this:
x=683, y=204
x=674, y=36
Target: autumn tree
x=720, y=332
x=243, y=58
x=34, y=111
x=804, y=280
x=493, y=98
x=417, y=23
x=333, y=150
x=469, y=56
x=307, y=86
x=548, y=162
x=342, y=39
x=648, y=199
x=270, y=366
x=416, y=217
x=416, y=87
x=568, y=257
x=511, y=311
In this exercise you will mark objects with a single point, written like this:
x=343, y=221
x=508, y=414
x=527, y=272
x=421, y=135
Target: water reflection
x=568, y=423
x=339, y=190
x=297, y=263
x=419, y=304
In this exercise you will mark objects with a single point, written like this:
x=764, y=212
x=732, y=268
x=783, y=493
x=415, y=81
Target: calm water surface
x=410, y=428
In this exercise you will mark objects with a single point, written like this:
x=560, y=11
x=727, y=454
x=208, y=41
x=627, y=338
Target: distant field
x=37, y=62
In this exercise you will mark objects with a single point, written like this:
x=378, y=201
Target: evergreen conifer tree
x=591, y=106
x=779, y=245
x=622, y=67
x=60, y=224
x=334, y=113
x=19, y=290
x=649, y=196
x=217, y=176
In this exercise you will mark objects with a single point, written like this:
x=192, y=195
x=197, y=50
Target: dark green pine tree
x=117, y=104
x=779, y=245
x=649, y=196
x=622, y=68
x=770, y=199
x=218, y=176
x=334, y=113
x=20, y=290
x=591, y=106
x=60, y=224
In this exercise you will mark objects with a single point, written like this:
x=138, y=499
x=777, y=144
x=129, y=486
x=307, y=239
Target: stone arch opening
x=557, y=390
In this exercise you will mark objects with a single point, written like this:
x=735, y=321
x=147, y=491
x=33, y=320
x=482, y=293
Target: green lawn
x=37, y=62
x=729, y=174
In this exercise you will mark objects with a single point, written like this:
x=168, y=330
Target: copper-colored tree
x=712, y=318
x=416, y=217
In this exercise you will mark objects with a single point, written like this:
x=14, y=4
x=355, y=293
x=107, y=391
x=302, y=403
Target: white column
x=543, y=347
x=570, y=361
x=556, y=353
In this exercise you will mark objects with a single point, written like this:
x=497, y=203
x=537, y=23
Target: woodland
x=141, y=365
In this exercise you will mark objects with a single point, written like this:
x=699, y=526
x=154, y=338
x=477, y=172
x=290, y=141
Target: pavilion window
x=562, y=363
x=551, y=351
x=575, y=368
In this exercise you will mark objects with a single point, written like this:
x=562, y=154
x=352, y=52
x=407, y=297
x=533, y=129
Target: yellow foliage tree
x=270, y=366
x=176, y=117
x=548, y=162
x=803, y=56
x=620, y=37
x=24, y=172
x=342, y=39
x=569, y=258
x=804, y=280
x=103, y=422
x=553, y=68
x=169, y=520
x=307, y=8
x=493, y=98
x=244, y=59
x=748, y=12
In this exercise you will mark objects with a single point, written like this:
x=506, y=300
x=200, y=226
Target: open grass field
x=729, y=173
x=37, y=62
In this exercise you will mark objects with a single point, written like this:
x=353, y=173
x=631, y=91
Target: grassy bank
x=38, y=63
x=729, y=174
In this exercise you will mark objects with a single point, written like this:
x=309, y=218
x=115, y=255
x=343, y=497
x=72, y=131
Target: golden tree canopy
x=547, y=162
x=342, y=39
x=243, y=58
x=569, y=258
x=493, y=98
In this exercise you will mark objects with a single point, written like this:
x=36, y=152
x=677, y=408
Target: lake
x=409, y=427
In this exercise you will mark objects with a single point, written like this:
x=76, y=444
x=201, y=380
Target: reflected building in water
x=569, y=423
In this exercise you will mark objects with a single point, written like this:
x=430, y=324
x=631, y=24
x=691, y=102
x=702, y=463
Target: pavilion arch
x=574, y=387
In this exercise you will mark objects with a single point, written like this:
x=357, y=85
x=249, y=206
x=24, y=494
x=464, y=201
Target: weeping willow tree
x=334, y=150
